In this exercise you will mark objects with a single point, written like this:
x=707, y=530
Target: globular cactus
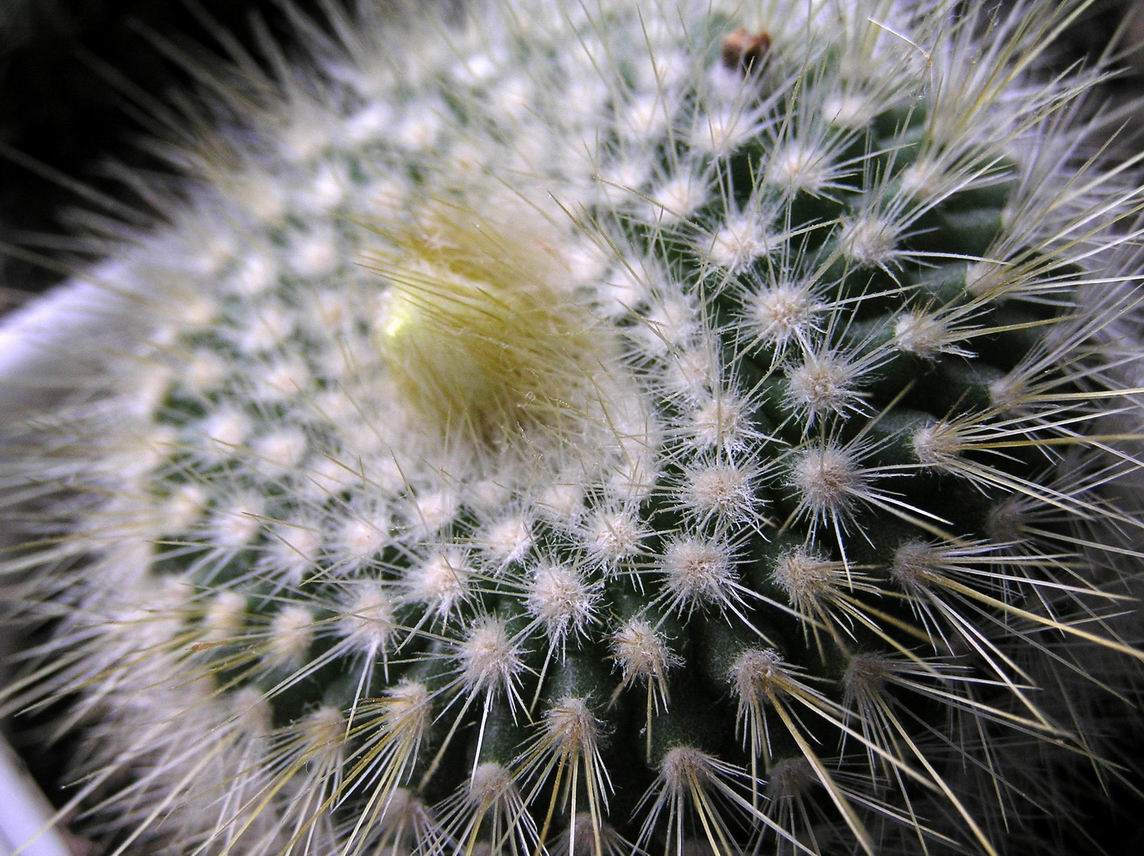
x=605, y=428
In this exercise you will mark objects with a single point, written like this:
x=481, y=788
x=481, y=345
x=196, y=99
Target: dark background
x=57, y=108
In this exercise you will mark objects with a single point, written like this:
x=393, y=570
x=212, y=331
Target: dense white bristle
x=490, y=660
x=698, y=572
x=562, y=601
x=539, y=405
x=290, y=636
x=826, y=479
x=643, y=655
x=368, y=620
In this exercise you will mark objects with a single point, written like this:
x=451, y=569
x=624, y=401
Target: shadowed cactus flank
x=620, y=429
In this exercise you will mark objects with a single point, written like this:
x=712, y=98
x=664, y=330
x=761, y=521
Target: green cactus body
x=614, y=429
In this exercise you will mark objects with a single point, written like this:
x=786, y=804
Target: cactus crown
x=608, y=430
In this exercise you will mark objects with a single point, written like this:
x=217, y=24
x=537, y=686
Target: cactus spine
x=628, y=428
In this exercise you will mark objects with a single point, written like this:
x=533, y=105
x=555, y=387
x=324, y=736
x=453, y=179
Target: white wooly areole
x=620, y=429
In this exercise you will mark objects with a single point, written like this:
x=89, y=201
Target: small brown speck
x=745, y=51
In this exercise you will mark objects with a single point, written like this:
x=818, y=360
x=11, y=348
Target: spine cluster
x=622, y=429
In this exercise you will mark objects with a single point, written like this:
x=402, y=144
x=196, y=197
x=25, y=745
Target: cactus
x=603, y=429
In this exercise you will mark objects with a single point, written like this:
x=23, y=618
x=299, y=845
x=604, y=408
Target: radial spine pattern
x=618, y=428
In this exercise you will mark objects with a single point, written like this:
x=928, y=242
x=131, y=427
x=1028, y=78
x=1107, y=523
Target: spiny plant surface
x=618, y=428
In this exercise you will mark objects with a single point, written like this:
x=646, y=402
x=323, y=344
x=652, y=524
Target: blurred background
x=64, y=116
x=60, y=105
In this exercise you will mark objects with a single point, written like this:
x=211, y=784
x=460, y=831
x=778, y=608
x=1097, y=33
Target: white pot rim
x=44, y=340
x=38, y=341
x=26, y=817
